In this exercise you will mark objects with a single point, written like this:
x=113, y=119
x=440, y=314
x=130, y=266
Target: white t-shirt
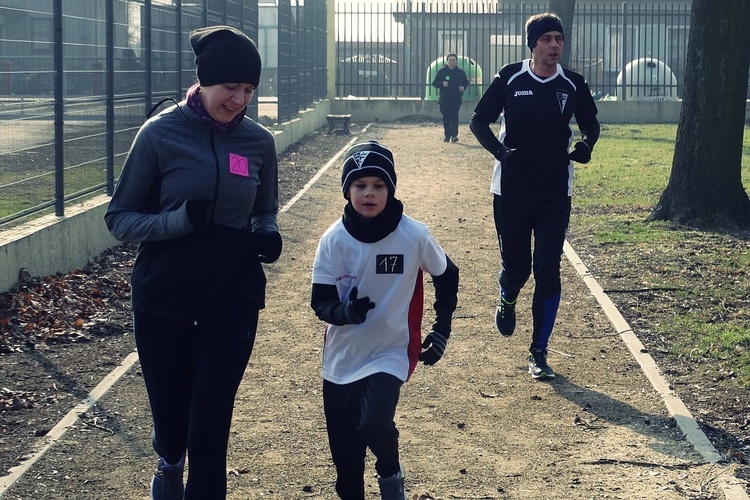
x=388, y=271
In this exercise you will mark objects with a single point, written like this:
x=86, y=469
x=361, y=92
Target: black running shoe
x=505, y=317
x=538, y=367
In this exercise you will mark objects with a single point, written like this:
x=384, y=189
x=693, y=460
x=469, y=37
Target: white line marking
x=67, y=422
x=676, y=408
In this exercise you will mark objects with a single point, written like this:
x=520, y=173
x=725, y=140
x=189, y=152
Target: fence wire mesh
x=78, y=78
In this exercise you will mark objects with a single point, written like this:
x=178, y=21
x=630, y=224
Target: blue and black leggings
x=517, y=221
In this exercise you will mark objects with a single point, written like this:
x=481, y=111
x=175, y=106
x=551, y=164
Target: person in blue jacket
x=535, y=100
x=451, y=81
x=199, y=193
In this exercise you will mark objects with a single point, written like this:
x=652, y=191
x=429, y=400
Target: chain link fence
x=78, y=78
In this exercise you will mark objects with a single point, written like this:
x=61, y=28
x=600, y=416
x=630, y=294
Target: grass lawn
x=690, y=289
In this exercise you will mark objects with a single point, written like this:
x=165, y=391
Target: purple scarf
x=196, y=105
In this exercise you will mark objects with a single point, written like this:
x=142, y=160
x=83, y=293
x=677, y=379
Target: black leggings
x=516, y=220
x=360, y=415
x=192, y=373
x=450, y=110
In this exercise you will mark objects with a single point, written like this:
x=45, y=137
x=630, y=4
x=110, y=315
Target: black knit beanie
x=368, y=159
x=541, y=24
x=225, y=55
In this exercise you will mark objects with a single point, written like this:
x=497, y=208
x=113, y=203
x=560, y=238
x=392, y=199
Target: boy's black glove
x=436, y=343
x=355, y=309
x=197, y=212
x=268, y=244
x=581, y=152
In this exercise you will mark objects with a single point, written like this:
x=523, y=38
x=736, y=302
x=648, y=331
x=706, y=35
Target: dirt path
x=473, y=426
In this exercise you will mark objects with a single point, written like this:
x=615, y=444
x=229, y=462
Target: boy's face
x=368, y=195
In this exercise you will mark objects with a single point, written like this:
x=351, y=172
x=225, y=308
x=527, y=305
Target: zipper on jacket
x=218, y=177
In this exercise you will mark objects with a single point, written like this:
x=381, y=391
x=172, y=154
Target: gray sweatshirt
x=181, y=273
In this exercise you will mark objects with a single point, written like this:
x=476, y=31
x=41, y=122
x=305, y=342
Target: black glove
x=511, y=158
x=197, y=212
x=581, y=152
x=436, y=343
x=268, y=244
x=355, y=310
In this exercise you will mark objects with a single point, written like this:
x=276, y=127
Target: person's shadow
x=598, y=410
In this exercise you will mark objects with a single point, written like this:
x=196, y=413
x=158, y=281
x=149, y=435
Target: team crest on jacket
x=359, y=157
x=562, y=98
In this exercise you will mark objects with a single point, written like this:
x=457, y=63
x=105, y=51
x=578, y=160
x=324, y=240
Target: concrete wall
x=307, y=122
x=52, y=244
x=385, y=109
x=366, y=110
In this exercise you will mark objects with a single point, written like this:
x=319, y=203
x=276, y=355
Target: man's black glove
x=268, y=244
x=436, y=343
x=581, y=152
x=511, y=158
x=197, y=212
x=355, y=309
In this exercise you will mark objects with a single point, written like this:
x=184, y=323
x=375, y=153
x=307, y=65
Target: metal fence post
x=59, y=109
x=149, y=57
x=110, y=89
x=624, y=49
x=178, y=33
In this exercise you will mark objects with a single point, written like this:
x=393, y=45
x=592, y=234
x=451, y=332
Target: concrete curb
x=57, y=432
x=674, y=404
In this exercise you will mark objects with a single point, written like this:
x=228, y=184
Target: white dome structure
x=647, y=79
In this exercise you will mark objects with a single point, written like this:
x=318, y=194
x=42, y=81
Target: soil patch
x=473, y=426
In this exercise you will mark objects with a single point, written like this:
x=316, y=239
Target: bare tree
x=564, y=9
x=705, y=186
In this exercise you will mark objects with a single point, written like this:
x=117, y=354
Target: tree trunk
x=565, y=9
x=705, y=186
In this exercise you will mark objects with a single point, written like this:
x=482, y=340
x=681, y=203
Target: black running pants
x=192, y=373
